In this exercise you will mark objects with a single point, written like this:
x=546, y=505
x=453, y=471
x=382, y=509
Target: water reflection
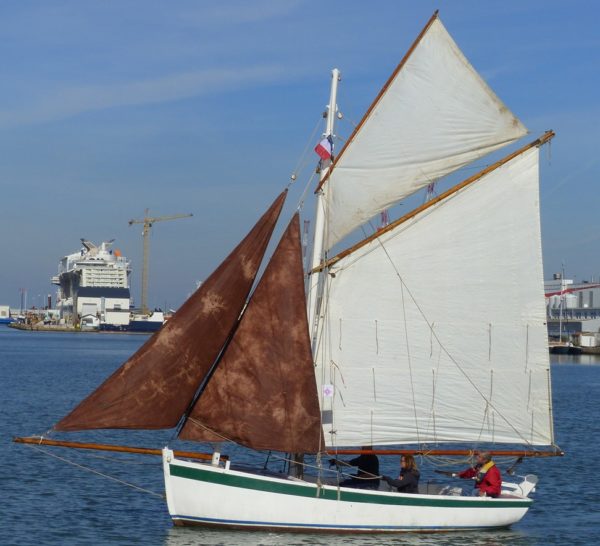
x=586, y=360
x=184, y=536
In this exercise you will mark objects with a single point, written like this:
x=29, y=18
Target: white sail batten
x=435, y=115
x=435, y=332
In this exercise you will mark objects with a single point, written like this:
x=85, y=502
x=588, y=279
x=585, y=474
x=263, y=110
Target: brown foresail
x=154, y=388
x=263, y=393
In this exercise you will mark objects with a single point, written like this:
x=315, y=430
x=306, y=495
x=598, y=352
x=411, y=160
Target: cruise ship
x=94, y=286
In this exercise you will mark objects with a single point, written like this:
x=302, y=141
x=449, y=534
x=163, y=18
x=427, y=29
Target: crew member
x=488, y=481
x=408, y=481
x=367, y=476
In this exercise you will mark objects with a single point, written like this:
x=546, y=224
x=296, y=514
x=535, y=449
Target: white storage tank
x=570, y=301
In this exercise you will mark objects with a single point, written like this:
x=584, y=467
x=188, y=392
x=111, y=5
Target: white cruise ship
x=94, y=286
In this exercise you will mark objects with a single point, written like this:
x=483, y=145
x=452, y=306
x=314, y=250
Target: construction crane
x=148, y=221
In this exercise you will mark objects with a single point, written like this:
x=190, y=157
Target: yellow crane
x=148, y=221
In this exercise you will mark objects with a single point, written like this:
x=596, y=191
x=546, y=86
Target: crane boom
x=147, y=222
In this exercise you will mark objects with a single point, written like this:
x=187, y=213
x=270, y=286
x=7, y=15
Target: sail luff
x=550, y=407
x=546, y=137
x=155, y=386
x=376, y=101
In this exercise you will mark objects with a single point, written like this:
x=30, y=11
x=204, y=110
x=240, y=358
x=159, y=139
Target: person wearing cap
x=488, y=480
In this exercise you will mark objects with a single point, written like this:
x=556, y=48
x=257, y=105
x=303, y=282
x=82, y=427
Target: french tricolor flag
x=323, y=149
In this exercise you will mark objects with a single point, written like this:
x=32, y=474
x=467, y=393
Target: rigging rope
x=442, y=346
x=93, y=471
x=410, y=372
x=303, y=157
x=319, y=467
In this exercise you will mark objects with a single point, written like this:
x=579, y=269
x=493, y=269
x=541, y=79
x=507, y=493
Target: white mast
x=317, y=251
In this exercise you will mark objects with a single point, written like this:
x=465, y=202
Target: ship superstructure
x=94, y=285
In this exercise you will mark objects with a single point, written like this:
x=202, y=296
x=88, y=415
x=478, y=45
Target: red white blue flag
x=323, y=149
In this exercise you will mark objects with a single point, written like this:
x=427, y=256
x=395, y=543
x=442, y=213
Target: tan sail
x=263, y=394
x=434, y=115
x=154, y=388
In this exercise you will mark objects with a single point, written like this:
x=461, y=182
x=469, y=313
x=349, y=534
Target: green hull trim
x=284, y=488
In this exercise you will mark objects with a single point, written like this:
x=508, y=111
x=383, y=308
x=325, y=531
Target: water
x=49, y=501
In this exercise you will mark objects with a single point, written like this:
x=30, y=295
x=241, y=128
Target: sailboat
x=415, y=336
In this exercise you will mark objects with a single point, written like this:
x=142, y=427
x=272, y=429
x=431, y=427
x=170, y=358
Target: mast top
x=377, y=98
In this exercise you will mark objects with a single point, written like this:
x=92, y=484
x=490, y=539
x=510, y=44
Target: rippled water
x=47, y=499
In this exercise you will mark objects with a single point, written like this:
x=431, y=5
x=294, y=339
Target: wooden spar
x=448, y=452
x=377, y=99
x=36, y=440
x=539, y=142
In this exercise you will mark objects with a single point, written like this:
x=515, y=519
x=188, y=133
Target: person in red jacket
x=487, y=476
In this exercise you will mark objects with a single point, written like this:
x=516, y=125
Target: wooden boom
x=37, y=440
x=448, y=452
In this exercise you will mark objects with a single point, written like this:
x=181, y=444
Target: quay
x=40, y=327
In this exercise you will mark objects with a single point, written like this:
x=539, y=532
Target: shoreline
x=69, y=329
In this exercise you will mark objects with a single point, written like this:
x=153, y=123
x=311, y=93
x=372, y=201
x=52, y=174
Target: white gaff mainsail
x=435, y=331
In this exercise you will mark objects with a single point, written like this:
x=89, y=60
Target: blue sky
x=108, y=108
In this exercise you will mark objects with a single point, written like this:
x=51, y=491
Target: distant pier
x=64, y=328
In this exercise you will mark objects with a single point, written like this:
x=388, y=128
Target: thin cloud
x=574, y=177
x=70, y=101
x=240, y=13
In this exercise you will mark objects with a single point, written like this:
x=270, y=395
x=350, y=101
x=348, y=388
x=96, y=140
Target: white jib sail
x=435, y=332
x=435, y=116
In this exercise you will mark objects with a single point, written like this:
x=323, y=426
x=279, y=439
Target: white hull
x=202, y=494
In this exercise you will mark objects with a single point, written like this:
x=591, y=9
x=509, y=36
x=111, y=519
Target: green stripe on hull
x=283, y=488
